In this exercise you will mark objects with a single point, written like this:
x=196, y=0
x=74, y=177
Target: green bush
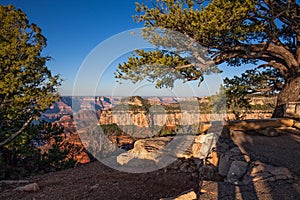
x=111, y=129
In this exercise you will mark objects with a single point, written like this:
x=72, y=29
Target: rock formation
x=147, y=115
x=141, y=118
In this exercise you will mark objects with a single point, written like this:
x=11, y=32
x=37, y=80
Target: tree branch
x=184, y=66
x=255, y=51
x=13, y=136
x=199, y=65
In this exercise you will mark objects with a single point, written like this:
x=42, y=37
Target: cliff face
x=171, y=112
x=142, y=119
x=104, y=107
x=71, y=135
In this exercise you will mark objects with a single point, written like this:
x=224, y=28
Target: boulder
x=222, y=147
x=149, y=149
x=182, y=146
x=199, y=139
x=224, y=164
x=124, y=158
x=210, y=141
x=196, y=150
x=237, y=171
x=234, y=155
x=235, y=151
x=187, y=195
x=33, y=187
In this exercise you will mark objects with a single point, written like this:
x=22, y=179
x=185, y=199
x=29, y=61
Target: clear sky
x=80, y=32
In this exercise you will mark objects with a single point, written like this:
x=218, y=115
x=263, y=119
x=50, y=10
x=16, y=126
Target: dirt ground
x=97, y=181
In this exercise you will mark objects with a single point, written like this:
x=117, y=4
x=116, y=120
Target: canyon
x=137, y=117
x=169, y=111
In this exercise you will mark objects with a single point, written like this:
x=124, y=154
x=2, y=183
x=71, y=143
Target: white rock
x=210, y=141
x=33, y=187
x=124, y=158
x=188, y=195
x=199, y=139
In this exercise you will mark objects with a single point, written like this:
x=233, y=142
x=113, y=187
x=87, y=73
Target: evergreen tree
x=234, y=32
x=27, y=88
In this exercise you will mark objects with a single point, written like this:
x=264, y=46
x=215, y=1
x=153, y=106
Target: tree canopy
x=265, y=33
x=27, y=86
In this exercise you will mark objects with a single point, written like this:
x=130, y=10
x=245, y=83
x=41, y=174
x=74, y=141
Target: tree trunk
x=290, y=93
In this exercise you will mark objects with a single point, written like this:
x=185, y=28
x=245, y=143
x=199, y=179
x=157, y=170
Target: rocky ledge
x=241, y=158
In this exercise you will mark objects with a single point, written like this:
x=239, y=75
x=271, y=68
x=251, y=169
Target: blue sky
x=75, y=30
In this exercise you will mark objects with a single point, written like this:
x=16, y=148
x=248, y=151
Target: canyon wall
x=142, y=119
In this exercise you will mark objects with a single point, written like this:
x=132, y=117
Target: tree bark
x=290, y=93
